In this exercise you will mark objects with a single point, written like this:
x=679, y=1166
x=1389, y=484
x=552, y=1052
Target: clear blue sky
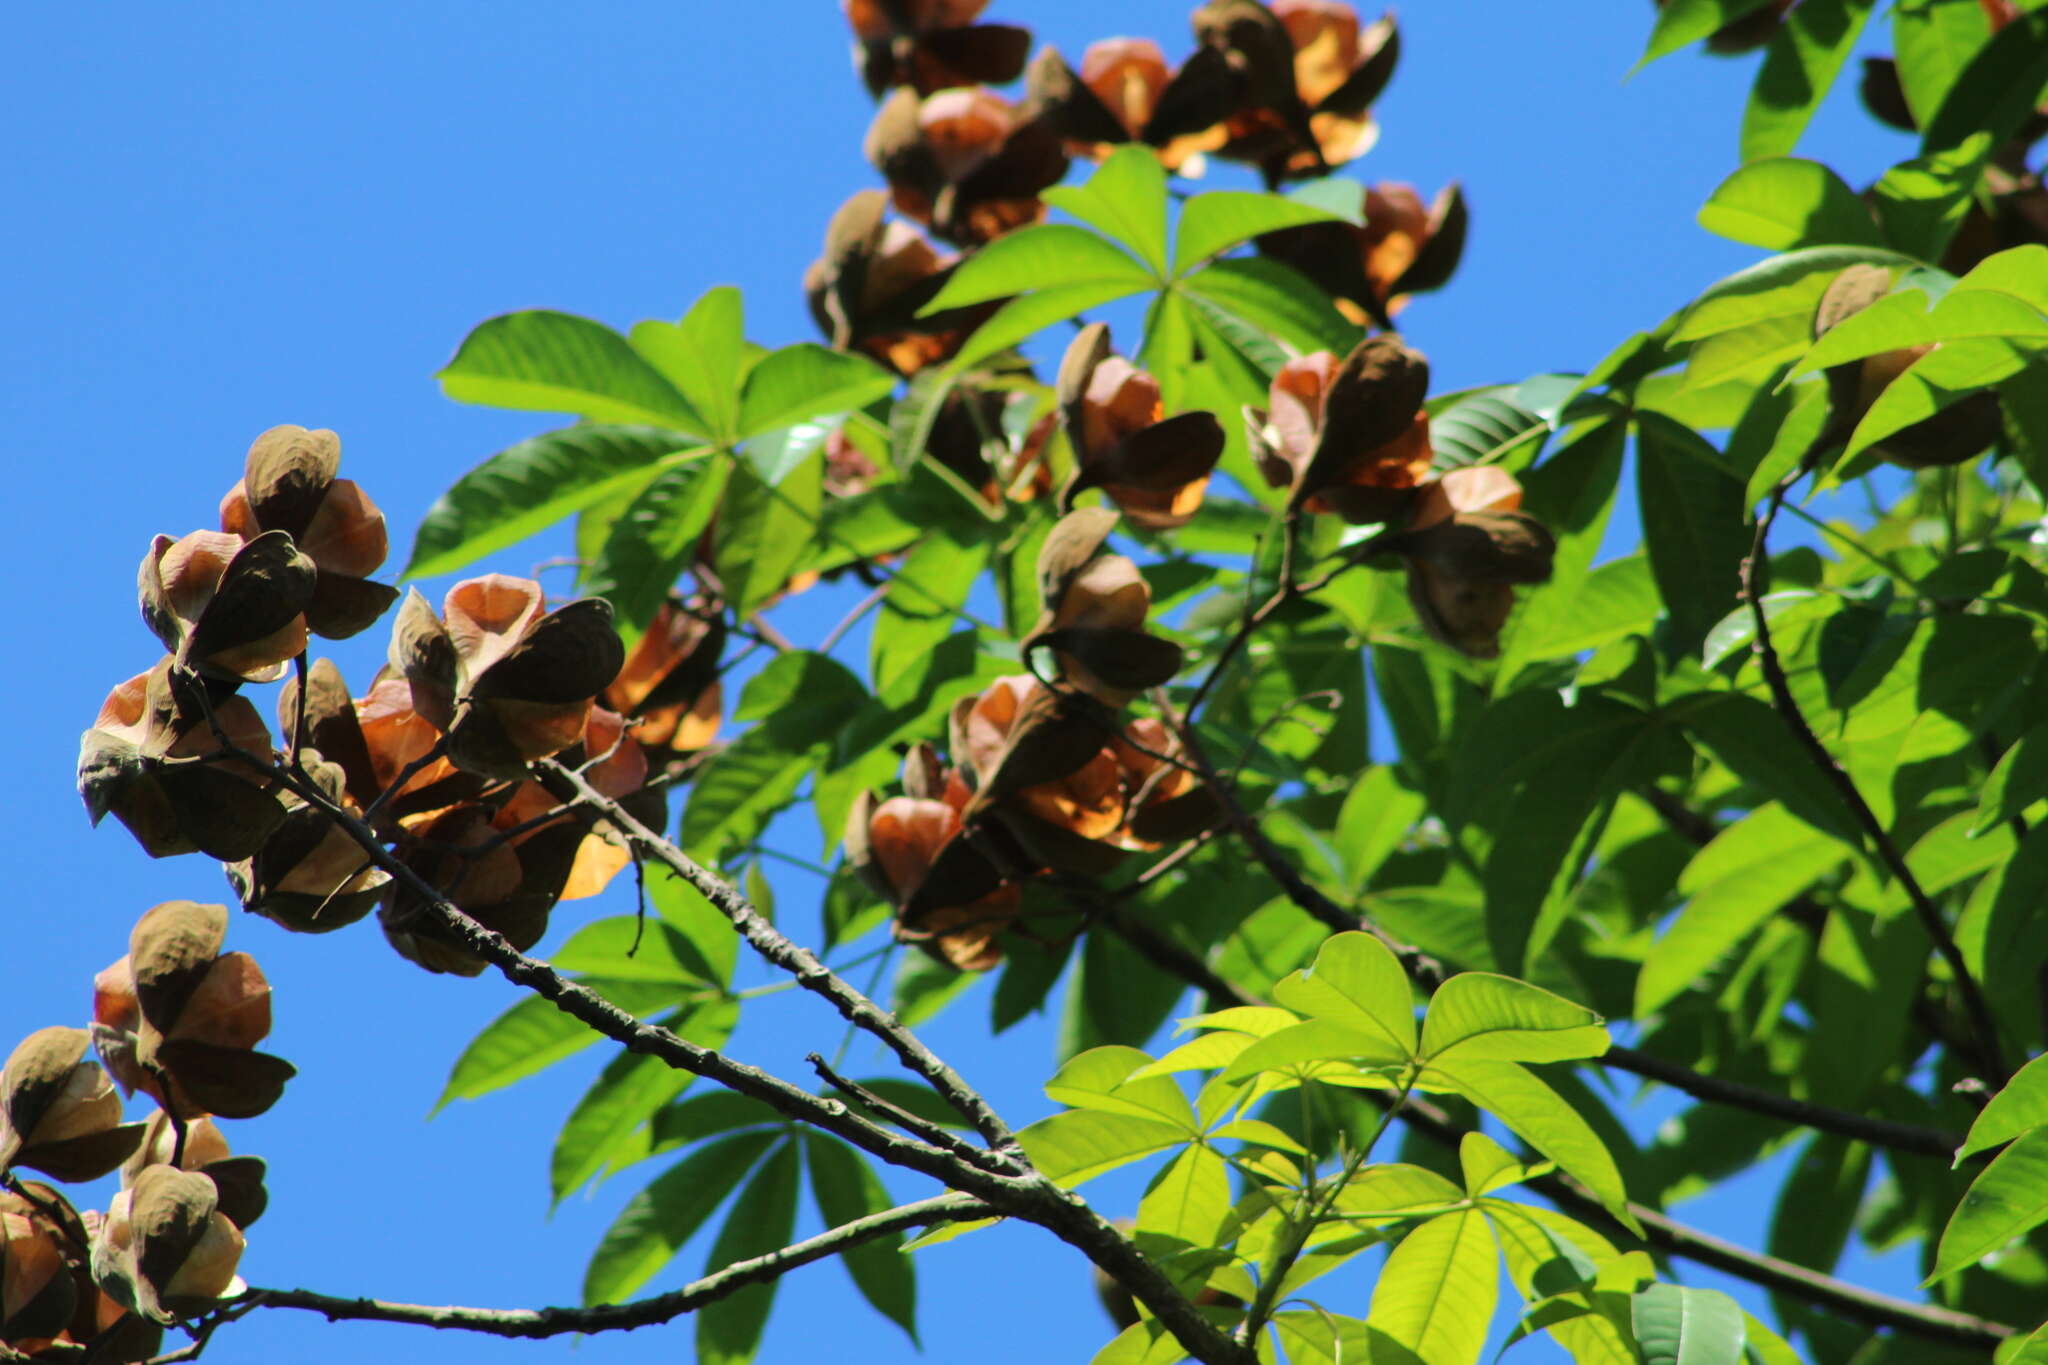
x=227, y=216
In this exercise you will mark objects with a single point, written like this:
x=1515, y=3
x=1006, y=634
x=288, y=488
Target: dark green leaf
x=1750, y=739
x=626, y=1094
x=531, y=486
x=846, y=1189
x=659, y=1219
x=652, y=540
x=1692, y=513
x=1681, y=23
x=1116, y=996
x=764, y=531
x=533, y=1035
x=1996, y=90
x=1274, y=298
x=762, y=1218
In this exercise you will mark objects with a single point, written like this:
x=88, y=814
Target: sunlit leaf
x=1497, y=1018
x=558, y=362
x=1436, y=1292
x=1677, y=1325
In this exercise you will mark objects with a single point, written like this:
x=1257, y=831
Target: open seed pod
x=1308, y=75
x=1956, y=434
x=58, y=1111
x=41, y=1279
x=1350, y=438
x=1125, y=92
x=146, y=760
x=1094, y=614
x=179, y=1020
x=1404, y=248
x=1164, y=803
x=507, y=682
x=310, y=876
x=289, y=485
x=509, y=890
x=669, y=686
x=1467, y=548
x=238, y=1180
x=965, y=162
x=932, y=45
x=867, y=290
x=165, y=1250
x=229, y=608
x=1153, y=467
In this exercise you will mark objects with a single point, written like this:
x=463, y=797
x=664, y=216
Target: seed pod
x=58, y=1111
x=164, y=1249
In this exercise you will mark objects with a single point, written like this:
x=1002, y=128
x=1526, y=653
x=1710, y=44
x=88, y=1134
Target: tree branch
x=801, y=963
x=1787, y=706
x=533, y=1323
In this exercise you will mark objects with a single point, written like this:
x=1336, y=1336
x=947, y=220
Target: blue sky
x=228, y=216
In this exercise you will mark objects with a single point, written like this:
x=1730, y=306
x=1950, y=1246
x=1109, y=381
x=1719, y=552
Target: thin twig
x=898, y=1115
x=1982, y=1022
x=812, y=974
x=532, y=1323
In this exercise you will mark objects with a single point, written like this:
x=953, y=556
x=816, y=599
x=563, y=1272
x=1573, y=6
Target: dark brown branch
x=533, y=1323
x=1787, y=706
x=804, y=965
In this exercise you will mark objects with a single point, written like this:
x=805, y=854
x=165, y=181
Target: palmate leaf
x=627, y=948
x=657, y=1221
x=533, y=1035
x=1486, y=427
x=1357, y=981
x=1692, y=511
x=806, y=380
x=530, y=486
x=1271, y=299
x=761, y=1220
x=1496, y=1018
x=1731, y=886
x=1046, y=256
x=1213, y=223
x=764, y=532
x=1676, y=1325
x=1100, y=1079
x=652, y=540
x=846, y=1188
x=1538, y=1114
x=632, y=1087
x=1126, y=198
x=1080, y=1144
x=1436, y=1293
x=1190, y=1199
x=702, y=356
x=558, y=362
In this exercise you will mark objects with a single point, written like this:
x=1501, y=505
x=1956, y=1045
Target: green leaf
x=2019, y=780
x=774, y=453
x=626, y=1094
x=1048, y=256
x=530, y=486
x=924, y=986
x=1682, y=23
x=1692, y=512
x=1932, y=42
x=1300, y=1048
x=1436, y=1293
x=1497, y=1018
x=1080, y=1144
x=1190, y=1199
x=558, y=362
x=799, y=681
x=696, y=918
x=687, y=1122
x=1215, y=222
x=1126, y=198
x=1783, y=287
x=1100, y=1079
x=846, y=1188
x=1680, y=1326
x=1997, y=90
x=1944, y=376
x=1541, y=1117
x=733, y=798
x=1376, y=819
x=626, y=948
x=1115, y=996
x=2020, y=1107
x=1782, y=202
x=922, y=606
x=701, y=356
x=1271, y=298
x=807, y=380
x=1397, y=1191
x=1572, y=493
x=764, y=531
x=1146, y=1342
x=1731, y=886
x=1025, y=317
x=1752, y=741
x=1356, y=980
x=652, y=539
x=762, y=1218
x=1800, y=65
x=1487, y=1166
x=1922, y=202
x=1965, y=313
x=2008, y=1199
x=1487, y=427
x=658, y=1220
x=533, y=1035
